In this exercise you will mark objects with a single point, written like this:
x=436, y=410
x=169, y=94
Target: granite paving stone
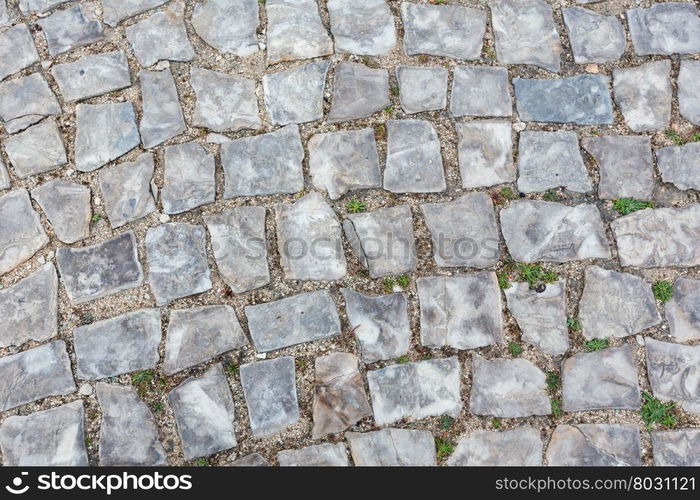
x=4, y=14
x=4, y=177
x=683, y=310
x=92, y=75
x=422, y=89
x=17, y=49
x=115, y=11
x=480, y=91
x=594, y=445
x=228, y=26
x=358, y=92
x=36, y=150
x=644, y=94
x=688, y=91
x=365, y=28
x=485, y=150
x=38, y=6
x=594, y=38
x=295, y=31
x=672, y=370
x=392, y=448
x=520, y=447
x=252, y=460
x=319, y=455
x=680, y=448
x=21, y=232
x=162, y=113
x=680, y=165
x=665, y=29
x=67, y=207
x=296, y=95
x=126, y=190
x=189, y=178
x=71, y=28
x=25, y=101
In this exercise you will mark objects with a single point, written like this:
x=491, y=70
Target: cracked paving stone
x=358, y=92
x=688, y=90
x=126, y=190
x=525, y=33
x=392, y=448
x=552, y=232
x=680, y=165
x=680, y=448
x=189, y=178
x=228, y=26
x=295, y=31
x=99, y=270
x=380, y=324
x=104, y=132
x=480, y=91
x=665, y=29
x=594, y=445
x=204, y=414
x=319, y=455
x=310, y=239
x=128, y=432
x=67, y=206
x=365, y=28
x=49, y=438
x=415, y=390
x=344, y=161
x=422, y=89
x=199, y=334
x=263, y=164
x=239, y=246
x=541, y=316
x=616, y=304
x=162, y=114
x=177, y=261
x=270, y=392
x=252, y=460
x=625, y=165
x=161, y=36
x=301, y=318
x=383, y=240
x=17, y=49
x=508, y=388
x=35, y=374
x=485, y=150
x=520, y=447
x=224, y=103
x=683, y=310
x=21, y=232
x=296, y=95
x=37, y=149
x=25, y=101
x=28, y=7
x=644, y=94
x=118, y=345
x=601, y=380
x=71, y=28
x=673, y=373
x=115, y=11
x=594, y=38
x=92, y=75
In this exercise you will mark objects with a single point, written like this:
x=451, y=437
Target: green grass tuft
x=596, y=345
x=663, y=290
x=142, y=378
x=553, y=381
x=534, y=274
x=574, y=324
x=508, y=193
x=515, y=349
x=446, y=422
x=675, y=137
x=557, y=412
x=496, y=423
x=655, y=412
x=503, y=280
x=551, y=195
x=445, y=447
x=403, y=281
x=355, y=206
x=402, y=360
x=626, y=206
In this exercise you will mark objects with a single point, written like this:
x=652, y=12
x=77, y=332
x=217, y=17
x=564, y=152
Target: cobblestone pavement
x=252, y=232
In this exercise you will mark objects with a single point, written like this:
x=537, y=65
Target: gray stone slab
x=199, y=334
x=4, y=14
x=67, y=207
x=270, y=394
x=480, y=91
x=415, y=390
x=25, y=101
x=296, y=95
x=392, y=448
x=37, y=149
x=594, y=38
x=4, y=177
x=683, y=310
x=595, y=445
x=162, y=117
x=126, y=190
x=358, y=92
x=520, y=447
x=413, y=158
x=21, y=233
x=99, y=270
x=310, y=240
x=485, y=151
x=301, y=318
x=644, y=95
x=189, y=178
x=672, y=370
x=49, y=438
x=122, y=344
x=688, y=90
x=115, y=11
x=128, y=432
x=204, y=414
x=38, y=6
x=252, y=460
x=294, y=31
x=17, y=49
x=264, y=164
x=71, y=28
x=228, y=26
x=422, y=89
x=177, y=261
x=365, y=28
x=35, y=374
x=320, y=455
x=665, y=29
x=680, y=165
x=92, y=75
x=677, y=448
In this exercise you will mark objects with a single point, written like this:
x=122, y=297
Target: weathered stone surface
x=17, y=49
x=392, y=448
x=161, y=36
x=95, y=271
x=485, y=152
x=415, y=390
x=680, y=165
x=320, y=455
x=480, y=91
x=509, y=388
x=37, y=150
x=118, y=345
x=104, y=133
x=594, y=38
x=199, y=334
x=252, y=460
x=71, y=28
x=264, y=164
x=601, y=380
x=616, y=304
x=67, y=206
x=672, y=370
x=270, y=394
x=549, y=160
x=115, y=11
x=365, y=28
x=525, y=33
x=126, y=190
x=92, y=75
x=4, y=14
x=128, y=432
x=344, y=161
x=520, y=447
x=204, y=414
x=414, y=159
x=177, y=261
x=294, y=31
x=541, y=316
x=582, y=99
x=21, y=233
x=228, y=26
x=683, y=310
x=383, y=240
x=35, y=374
x=625, y=165
x=38, y=6
x=239, y=246
x=665, y=28
x=309, y=239
x=422, y=89
x=552, y=232
x=162, y=115
x=26, y=100
x=644, y=95
x=680, y=448
x=189, y=179
x=296, y=95
x=358, y=92
x=4, y=177
x=49, y=438
x=464, y=231
x=380, y=324
x=688, y=90
x=294, y=320
x=659, y=238
x=591, y=445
